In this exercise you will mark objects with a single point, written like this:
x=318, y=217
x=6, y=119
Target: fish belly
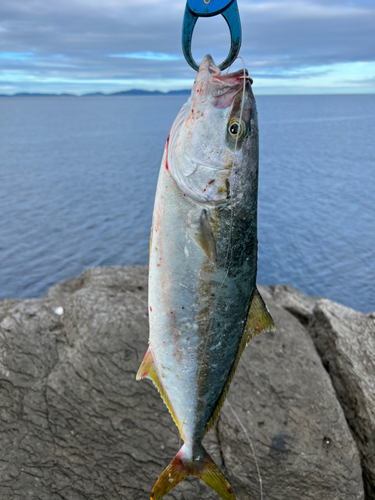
x=197, y=309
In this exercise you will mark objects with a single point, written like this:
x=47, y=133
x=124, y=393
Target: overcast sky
x=295, y=46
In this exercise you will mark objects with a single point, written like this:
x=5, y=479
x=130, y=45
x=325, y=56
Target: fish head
x=212, y=133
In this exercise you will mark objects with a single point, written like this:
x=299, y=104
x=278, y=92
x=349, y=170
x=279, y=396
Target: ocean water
x=78, y=177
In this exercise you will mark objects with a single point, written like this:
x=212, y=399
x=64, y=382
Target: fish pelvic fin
x=201, y=466
x=258, y=320
x=148, y=370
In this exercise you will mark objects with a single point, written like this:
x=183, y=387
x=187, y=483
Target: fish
x=204, y=305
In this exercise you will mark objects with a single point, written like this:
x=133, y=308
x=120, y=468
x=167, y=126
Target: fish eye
x=236, y=129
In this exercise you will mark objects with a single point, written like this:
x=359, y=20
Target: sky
x=82, y=46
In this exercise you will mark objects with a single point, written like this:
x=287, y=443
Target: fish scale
x=204, y=305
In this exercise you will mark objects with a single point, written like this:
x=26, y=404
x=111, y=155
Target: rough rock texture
x=286, y=402
x=345, y=340
x=74, y=423
x=294, y=301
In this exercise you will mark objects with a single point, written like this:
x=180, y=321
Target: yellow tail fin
x=201, y=466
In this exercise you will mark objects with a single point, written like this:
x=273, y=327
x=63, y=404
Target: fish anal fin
x=258, y=320
x=205, y=238
x=148, y=370
x=203, y=467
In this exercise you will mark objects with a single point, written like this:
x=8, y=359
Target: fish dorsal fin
x=205, y=238
x=148, y=370
x=258, y=320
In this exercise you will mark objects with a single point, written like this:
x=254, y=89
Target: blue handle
x=199, y=8
x=212, y=8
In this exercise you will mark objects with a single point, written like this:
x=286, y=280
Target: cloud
x=364, y=81
x=92, y=44
x=149, y=56
x=16, y=56
x=300, y=9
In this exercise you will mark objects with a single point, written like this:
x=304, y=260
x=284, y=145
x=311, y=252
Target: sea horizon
x=78, y=180
x=175, y=92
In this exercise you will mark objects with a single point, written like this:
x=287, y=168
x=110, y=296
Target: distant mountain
x=151, y=93
x=137, y=92
x=134, y=92
x=180, y=92
x=92, y=94
x=28, y=94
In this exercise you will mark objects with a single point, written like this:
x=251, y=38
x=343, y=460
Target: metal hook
x=209, y=8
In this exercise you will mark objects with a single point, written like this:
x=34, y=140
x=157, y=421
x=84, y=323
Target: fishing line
x=230, y=66
x=226, y=268
x=229, y=248
x=251, y=446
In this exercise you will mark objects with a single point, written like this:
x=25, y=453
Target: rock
x=74, y=423
x=294, y=301
x=29, y=332
x=287, y=404
x=345, y=340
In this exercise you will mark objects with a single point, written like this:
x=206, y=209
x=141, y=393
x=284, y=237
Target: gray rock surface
x=286, y=402
x=294, y=301
x=345, y=340
x=74, y=423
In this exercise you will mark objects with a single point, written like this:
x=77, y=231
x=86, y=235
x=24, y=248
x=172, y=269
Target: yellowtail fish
x=204, y=306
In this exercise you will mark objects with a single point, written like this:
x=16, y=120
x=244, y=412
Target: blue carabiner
x=207, y=8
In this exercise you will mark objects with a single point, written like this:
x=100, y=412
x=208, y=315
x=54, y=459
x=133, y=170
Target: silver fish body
x=203, y=302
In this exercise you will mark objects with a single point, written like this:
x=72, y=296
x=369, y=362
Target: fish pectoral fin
x=258, y=320
x=148, y=370
x=205, y=239
x=203, y=467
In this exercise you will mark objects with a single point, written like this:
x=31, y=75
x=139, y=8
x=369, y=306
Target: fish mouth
x=235, y=78
x=222, y=87
x=230, y=82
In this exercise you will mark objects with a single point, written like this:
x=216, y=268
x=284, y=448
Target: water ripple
x=78, y=177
